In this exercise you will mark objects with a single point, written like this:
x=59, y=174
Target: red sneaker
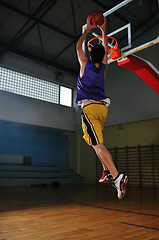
x=106, y=177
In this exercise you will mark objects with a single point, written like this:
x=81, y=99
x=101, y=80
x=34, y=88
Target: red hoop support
x=113, y=51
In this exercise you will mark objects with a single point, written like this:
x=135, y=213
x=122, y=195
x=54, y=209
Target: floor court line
x=111, y=209
x=131, y=224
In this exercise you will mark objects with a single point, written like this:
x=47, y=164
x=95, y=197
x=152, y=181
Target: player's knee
x=98, y=147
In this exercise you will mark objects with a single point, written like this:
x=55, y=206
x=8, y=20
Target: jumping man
x=94, y=105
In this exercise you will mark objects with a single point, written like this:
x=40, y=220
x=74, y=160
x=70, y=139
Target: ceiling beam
x=20, y=36
x=41, y=41
x=41, y=61
x=47, y=25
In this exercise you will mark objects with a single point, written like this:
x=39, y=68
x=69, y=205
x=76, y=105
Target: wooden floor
x=78, y=212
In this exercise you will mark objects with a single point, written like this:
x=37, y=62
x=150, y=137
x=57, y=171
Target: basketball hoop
x=113, y=50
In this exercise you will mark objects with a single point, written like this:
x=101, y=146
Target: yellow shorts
x=93, y=118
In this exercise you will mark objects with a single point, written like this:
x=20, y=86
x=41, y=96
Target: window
x=22, y=84
x=65, y=96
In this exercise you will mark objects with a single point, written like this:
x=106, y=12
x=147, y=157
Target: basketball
x=97, y=18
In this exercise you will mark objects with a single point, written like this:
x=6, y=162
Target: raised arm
x=80, y=53
x=105, y=43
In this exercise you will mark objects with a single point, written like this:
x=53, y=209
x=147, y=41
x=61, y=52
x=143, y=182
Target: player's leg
x=106, y=158
x=106, y=175
x=120, y=180
x=93, y=118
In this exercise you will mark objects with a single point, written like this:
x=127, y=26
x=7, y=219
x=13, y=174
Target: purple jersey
x=91, y=85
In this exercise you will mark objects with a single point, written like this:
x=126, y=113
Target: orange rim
x=110, y=50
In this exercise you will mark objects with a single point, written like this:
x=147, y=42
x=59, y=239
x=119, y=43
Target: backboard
x=123, y=34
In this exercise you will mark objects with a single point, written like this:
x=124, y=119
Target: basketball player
x=94, y=105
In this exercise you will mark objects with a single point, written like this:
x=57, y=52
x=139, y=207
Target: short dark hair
x=97, y=53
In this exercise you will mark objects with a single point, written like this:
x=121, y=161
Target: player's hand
x=89, y=25
x=103, y=26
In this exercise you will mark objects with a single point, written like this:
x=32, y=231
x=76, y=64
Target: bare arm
x=105, y=43
x=80, y=53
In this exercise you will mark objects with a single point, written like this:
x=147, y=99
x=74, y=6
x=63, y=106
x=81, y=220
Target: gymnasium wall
x=21, y=109
x=44, y=146
x=31, y=111
x=34, y=128
x=129, y=134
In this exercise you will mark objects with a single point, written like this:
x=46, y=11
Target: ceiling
x=46, y=31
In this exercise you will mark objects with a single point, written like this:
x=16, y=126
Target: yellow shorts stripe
x=93, y=119
x=88, y=130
